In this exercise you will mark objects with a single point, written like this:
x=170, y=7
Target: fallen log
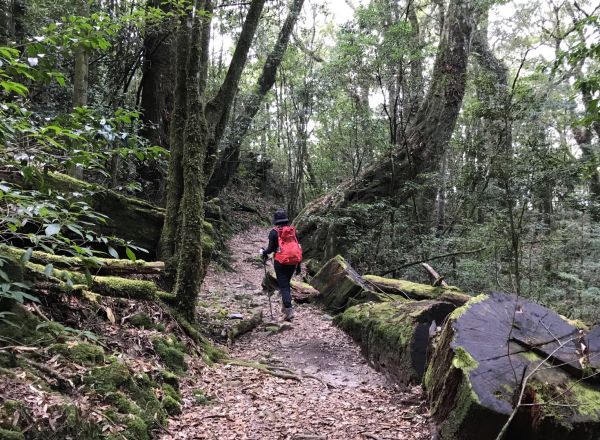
x=97, y=266
x=301, y=292
x=494, y=348
x=129, y=218
x=341, y=286
x=394, y=335
x=241, y=326
x=416, y=291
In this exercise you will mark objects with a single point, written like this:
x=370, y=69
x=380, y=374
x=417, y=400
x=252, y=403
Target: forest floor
x=332, y=393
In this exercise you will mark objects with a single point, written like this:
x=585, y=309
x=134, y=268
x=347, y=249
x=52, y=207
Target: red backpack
x=289, y=252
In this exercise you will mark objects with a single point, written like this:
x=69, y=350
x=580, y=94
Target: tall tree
x=230, y=156
x=426, y=138
x=196, y=130
x=157, y=79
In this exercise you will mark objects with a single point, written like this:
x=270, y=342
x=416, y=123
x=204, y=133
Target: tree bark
x=80, y=78
x=157, y=78
x=169, y=237
x=81, y=68
x=230, y=156
x=426, y=139
x=194, y=135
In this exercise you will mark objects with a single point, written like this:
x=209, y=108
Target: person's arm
x=273, y=243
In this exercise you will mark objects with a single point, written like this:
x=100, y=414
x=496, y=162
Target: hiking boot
x=288, y=313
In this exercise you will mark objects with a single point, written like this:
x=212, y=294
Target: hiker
x=288, y=256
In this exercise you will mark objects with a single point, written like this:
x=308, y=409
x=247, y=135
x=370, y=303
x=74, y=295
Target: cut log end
x=473, y=383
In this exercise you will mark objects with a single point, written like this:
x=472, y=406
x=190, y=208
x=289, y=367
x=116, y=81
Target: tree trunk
x=427, y=137
x=496, y=346
x=80, y=78
x=394, y=335
x=169, y=236
x=195, y=132
x=5, y=19
x=157, y=79
x=230, y=156
x=157, y=96
x=81, y=67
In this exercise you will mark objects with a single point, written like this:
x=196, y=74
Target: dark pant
x=284, y=275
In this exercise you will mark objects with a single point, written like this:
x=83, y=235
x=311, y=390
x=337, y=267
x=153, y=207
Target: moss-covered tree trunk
x=426, y=139
x=394, y=335
x=169, y=239
x=196, y=130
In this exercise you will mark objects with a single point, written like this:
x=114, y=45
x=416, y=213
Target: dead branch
x=435, y=257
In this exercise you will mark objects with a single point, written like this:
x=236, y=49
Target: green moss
x=24, y=328
x=141, y=320
x=125, y=288
x=5, y=434
x=531, y=356
x=171, y=353
x=171, y=406
x=465, y=399
x=587, y=398
x=168, y=390
x=200, y=398
x=170, y=378
x=109, y=379
x=81, y=353
x=123, y=403
x=463, y=360
x=459, y=311
x=136, y=428
x=133, y=396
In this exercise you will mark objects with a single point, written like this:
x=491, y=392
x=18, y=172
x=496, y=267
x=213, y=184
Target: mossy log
x=301, y=292
x=416, y=291
x=394, y=335
x=494, y=347
x=341, y=286
x=129, y=218
x=98, y=266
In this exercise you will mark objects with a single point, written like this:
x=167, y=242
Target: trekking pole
x=268, y=291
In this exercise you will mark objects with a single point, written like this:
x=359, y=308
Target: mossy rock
x=171, y=406
x=170, y=378
x=133, y=396
x=81, y=352
x=171, y=352
x=470, y=381
x=394, y=335
x=109, y=378
x=141, y=320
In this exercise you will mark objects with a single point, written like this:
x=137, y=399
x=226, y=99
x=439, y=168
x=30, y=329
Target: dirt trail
x=338, y=396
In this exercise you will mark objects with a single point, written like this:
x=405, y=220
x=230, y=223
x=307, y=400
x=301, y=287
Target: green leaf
x=52, y=229
x=48, y=269
x=26, y=256
x=113, y=253
x=130, y=254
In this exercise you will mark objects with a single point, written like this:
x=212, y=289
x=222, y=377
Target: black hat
x=280, y=217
